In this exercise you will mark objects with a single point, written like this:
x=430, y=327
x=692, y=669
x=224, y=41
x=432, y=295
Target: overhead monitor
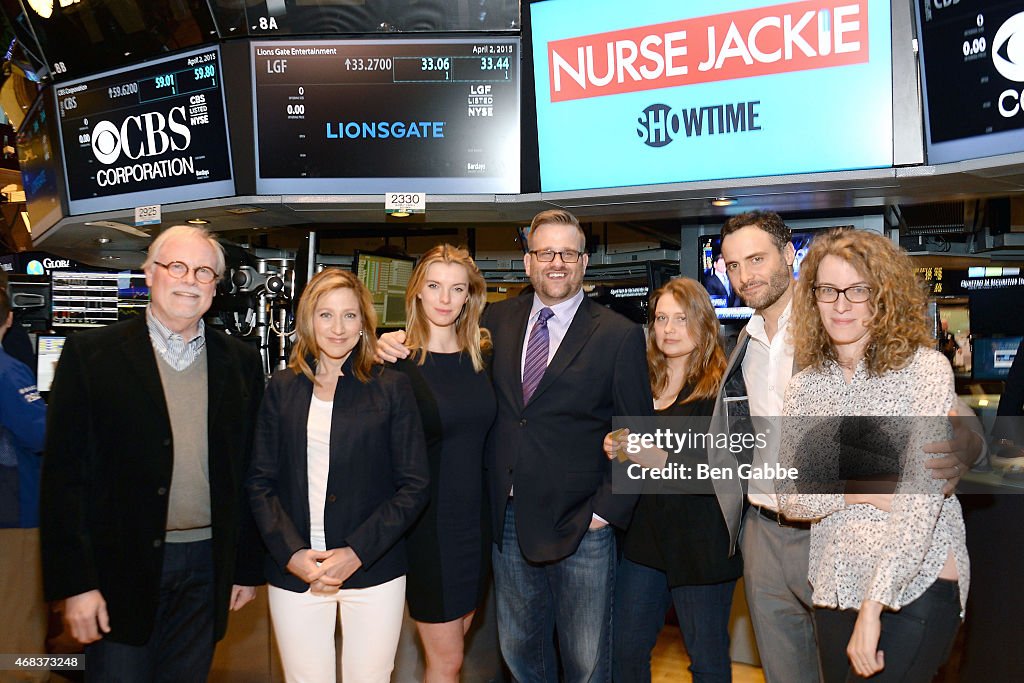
x=332, y=17
x=377, y=116
x=39, y=157
x=973, y=75
x=386, y=277
x=665, y=91
x=48, y=350
x=79, y=37
x=151, y=134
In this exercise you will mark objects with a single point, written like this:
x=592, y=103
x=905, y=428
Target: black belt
x=781, y=520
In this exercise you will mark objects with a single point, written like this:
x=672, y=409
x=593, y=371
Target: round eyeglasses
x=857, y=294
x=204, y=274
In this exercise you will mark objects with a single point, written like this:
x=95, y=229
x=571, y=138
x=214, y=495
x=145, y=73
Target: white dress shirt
x=767, y=369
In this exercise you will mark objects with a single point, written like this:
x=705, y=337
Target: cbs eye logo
x=1008, y=49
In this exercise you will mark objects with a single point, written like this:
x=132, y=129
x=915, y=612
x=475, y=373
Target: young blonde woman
x=339, y=474
x=450, y=543
x=890, y=571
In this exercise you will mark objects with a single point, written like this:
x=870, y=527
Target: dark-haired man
x=759, y=259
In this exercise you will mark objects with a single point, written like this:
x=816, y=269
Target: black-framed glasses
x=204, y=274
x=857, y=294
x=548, y=255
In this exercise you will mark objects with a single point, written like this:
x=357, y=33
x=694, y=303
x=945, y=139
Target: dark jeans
x=181, y=645
x=916, y=640
x=572, y=597
x=642, y=597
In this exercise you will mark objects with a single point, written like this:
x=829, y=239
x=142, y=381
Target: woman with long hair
x=339, y=474
x=676, y=550
x=889, y=568
x=450, y=543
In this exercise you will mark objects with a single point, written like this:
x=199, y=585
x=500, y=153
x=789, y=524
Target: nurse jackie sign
x=675, y=94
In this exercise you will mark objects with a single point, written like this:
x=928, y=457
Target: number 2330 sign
x=405, y=202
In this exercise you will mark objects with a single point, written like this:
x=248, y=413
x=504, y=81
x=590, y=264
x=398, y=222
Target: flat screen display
x=973, y=73
x=326, y=17
x=48, y=350
x=153, y=134
x=39, y=158
x=80, y=37
x=386, y=277
x=993, y=356
x=727, y=302
x=665, y=91
x=366, y=117
x=89, y=299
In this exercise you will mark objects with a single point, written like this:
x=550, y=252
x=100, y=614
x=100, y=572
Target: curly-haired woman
x=889, y=569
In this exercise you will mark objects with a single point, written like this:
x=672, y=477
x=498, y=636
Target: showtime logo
x=147, y=135
x=768, y=40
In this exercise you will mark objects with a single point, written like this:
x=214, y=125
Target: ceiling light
x=399, y=214
x=197, y=221
x=723, y=201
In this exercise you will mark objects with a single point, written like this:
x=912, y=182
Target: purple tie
x=536, y=354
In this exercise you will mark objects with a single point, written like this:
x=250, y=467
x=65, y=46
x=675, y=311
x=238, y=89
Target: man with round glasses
x=146, y=532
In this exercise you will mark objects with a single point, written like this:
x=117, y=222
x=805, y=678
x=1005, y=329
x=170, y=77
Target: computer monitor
x=48, y=350
x=993, y=356
x=386, y=277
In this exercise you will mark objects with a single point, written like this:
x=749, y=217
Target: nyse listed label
x=442, y=111
x=152, y=128
x=768, y=40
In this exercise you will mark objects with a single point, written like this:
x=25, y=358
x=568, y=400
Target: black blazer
x=551, y=448
x=378, y=479
x=107, y=469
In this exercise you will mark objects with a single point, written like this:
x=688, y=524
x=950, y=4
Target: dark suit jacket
x=551, y=448
x=717, y=288
x=732, y=413
x=378, y=478
x=731, y=493
x=107, y=470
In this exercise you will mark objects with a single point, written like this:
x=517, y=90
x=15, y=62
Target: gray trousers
x=779, y=597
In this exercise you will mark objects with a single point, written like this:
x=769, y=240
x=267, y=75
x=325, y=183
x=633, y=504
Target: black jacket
x=107, y=470
x=551, y=448
x=683, y=534
x=378, y=478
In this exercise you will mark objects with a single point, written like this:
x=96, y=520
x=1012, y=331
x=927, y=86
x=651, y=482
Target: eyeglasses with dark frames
x=857, y=294
x=548, y=255
x=204, y=274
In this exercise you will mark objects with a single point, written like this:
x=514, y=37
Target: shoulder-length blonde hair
x=322, y=284
x=471, y=337
x=898, y=301
x=707, y=361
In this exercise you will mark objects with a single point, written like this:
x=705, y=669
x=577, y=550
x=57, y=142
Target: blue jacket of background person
x=22, y=431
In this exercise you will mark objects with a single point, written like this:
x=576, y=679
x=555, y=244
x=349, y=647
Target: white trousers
x=371, y=622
